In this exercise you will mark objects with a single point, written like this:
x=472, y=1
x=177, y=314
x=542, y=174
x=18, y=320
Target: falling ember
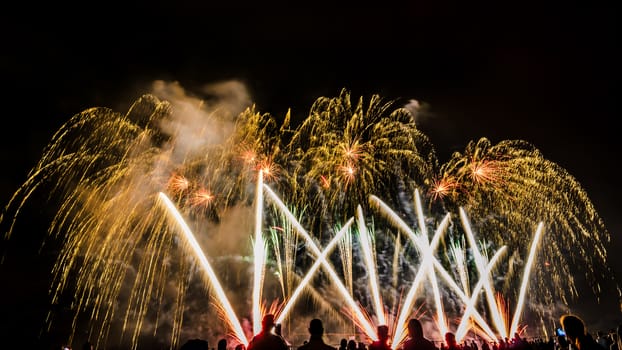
x=325, y=181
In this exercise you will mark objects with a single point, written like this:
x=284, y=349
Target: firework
x=106, y=172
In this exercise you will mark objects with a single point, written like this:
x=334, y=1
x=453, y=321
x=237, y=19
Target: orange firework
x=443, y=187
x=248, y=155
x=348, y=172
x=351, y=152
x=201, y=198
x=485, y=171
x=325, y=181
x=178, y=183
x=269, y=168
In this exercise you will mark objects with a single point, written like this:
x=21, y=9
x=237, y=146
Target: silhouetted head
x=222, y=344
x=573, y=326
x=315, y=327
x=450, y=338
x=383, y=332
x=267, y=322
x=414, y=329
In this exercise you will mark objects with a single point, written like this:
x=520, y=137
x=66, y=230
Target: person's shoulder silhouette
x=416, y=339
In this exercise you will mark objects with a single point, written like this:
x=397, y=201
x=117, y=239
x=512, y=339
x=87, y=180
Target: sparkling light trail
x=259, y=257
x=360, y=317
x=480, y=264
x=369, y=257
x=523, y=288
x=320, y=260
x=231, y=317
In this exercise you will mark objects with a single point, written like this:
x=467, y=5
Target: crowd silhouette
x=572, y=335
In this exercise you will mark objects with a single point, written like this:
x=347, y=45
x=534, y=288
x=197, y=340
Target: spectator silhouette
x=351, y=344
x=240, y=347
x=450, y=340
x=519, y=343
x=416, y=339
x=195, y=344
x=265, y=339
x=343, y=344
x=316, y=331
x=383, y=338
x=602, y=339
x=222, y=344
x=576, y=333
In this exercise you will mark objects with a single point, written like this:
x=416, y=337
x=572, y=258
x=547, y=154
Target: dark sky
x=544, y=73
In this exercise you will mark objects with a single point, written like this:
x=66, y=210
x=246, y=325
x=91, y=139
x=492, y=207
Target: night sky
x=544, y=73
